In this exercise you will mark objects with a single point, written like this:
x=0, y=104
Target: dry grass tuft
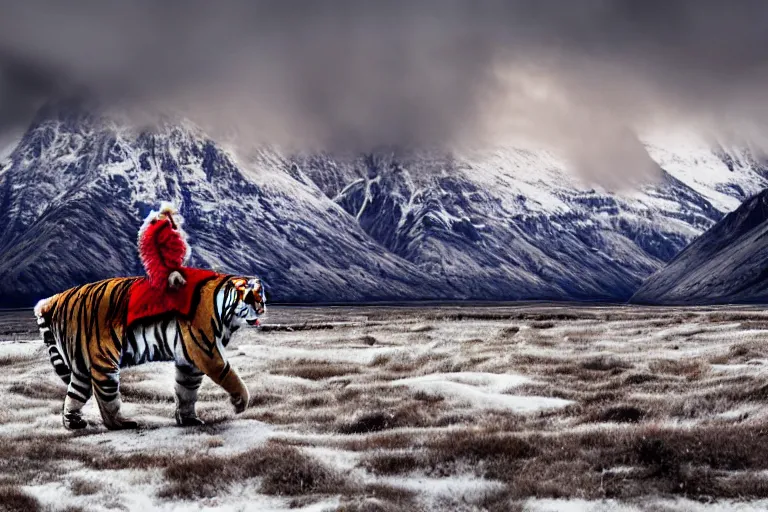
x=509, y=332
x=380, y=360
x=368, y=422
x=15, y=360
x=135, y=393
x=40, y=390
x=291, y=473
x=82, y=487
x=423, y=396
x=605, y=364
x=692, y=369
x=639, y=378
x=13, y=499
x=132, y=461
x=620, y=414
x=28, y=458
x=284, y=471
x=392, y=463
x=312, y=370
x=368, y=340
x=743, y=352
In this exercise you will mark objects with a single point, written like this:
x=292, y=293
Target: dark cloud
x=583, y=77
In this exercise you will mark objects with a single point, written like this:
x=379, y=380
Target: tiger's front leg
x=188, y=380
x=193, y=347
x=220, y=372
x=106, y=387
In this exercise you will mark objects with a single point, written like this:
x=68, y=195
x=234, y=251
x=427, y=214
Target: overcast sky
x=583, y=77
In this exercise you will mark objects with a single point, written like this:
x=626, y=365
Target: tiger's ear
x=240, y=284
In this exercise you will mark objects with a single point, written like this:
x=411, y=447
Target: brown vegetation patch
x=368, y=422
x=743, y=352
x=475, y=448
x=423, y=396
x=692, y=369
x=284, y=471
x=509, y=332
x=141, y=394
x=81, y=487
x=691, y=462
x=378, y=441
x=392, y=463
x=605, y=364
x=730, y=317
x=12, y=360
x=313, y=370
x=295, y=327
x=620, y=414
x=30, y=459
x=13, y=499
x=40, y=390
x=380, y=360
x=368, y=340
x=639, y=378
x=412, y=414
x=380, y=498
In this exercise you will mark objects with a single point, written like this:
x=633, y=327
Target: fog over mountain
x=401, y=149
x=580, y=78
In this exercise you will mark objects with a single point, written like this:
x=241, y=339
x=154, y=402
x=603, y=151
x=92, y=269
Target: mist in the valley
x=584, y=79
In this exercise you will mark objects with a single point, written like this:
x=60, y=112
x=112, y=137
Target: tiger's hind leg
x=106, y=384
x=79, y=388
x=188, y=380
x=79, y=391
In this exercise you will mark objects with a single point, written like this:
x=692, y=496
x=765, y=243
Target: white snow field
x=538, y=407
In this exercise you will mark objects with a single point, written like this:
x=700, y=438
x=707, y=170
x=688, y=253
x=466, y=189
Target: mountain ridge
x=724, y=265
x=392, y=225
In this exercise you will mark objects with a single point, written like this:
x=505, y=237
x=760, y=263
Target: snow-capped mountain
x=511, y=224
x=727, y=264
x=75, y=189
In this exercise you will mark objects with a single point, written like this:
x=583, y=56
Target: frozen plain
x=540, y=407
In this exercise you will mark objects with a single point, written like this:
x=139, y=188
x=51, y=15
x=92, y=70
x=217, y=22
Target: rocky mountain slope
x=391, y=225
x=728, y=263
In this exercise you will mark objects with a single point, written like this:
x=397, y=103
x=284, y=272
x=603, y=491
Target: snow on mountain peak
x=507, y=224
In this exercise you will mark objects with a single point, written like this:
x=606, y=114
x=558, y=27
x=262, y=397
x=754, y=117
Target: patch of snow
x=136, y=490
x=678, y=505
x=459, y=488
x=239, y=435
x=362, y=355
x=481, y=391
x=19, y=348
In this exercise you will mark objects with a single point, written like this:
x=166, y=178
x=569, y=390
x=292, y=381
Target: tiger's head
x=251, y=300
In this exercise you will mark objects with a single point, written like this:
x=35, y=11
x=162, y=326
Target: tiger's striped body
x=88, y=342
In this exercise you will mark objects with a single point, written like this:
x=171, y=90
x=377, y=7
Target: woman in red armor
x=163, y=248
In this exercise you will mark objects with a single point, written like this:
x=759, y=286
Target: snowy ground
x=535, y=407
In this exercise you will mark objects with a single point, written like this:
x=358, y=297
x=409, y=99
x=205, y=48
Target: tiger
x=84, y=330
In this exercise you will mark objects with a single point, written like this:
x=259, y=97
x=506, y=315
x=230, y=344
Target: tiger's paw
x=240, y=402
x=188, y=421
x=73, y=421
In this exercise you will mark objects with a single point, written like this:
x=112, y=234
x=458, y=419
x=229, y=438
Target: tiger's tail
x=43, y=311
